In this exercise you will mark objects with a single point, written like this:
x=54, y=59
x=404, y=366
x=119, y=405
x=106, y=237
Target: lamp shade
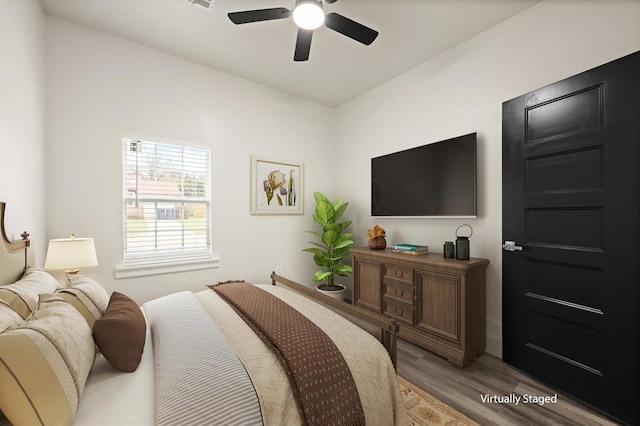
x=71, y=253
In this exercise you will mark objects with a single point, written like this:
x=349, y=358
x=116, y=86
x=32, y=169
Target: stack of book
x=414, y=249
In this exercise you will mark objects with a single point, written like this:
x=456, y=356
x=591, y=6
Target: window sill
x=124, y=271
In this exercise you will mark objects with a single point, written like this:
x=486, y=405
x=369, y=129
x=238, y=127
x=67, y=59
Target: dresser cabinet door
x=438, y=308
x=367, y=289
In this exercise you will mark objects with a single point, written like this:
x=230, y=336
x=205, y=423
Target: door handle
x=511, y=246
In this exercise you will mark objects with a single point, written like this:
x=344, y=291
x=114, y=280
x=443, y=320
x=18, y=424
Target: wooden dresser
x=438, y=303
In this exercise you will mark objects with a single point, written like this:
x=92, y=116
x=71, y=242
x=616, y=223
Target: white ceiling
x=338, y=70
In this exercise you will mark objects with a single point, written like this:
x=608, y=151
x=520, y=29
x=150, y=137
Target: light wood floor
x=487, y=374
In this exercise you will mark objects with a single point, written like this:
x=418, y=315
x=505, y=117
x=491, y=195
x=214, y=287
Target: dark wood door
x=571, y=184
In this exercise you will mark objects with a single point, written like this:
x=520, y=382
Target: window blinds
x=166, y=202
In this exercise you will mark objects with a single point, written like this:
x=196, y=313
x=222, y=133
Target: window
x=166, y=203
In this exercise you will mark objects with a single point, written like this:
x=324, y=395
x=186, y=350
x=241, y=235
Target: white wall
x=462, y=91
x=22, y=123
x=99, y=86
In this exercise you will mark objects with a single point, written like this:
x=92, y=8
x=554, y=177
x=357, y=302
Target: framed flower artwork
x=276, y=186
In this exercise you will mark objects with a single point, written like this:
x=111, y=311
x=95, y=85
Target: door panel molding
x=568, y=115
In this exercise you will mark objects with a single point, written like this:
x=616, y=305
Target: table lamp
x=71, y=254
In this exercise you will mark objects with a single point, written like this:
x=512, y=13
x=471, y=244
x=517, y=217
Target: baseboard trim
x=494, y=338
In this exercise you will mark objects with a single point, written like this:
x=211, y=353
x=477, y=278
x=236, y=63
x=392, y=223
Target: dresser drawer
x=399, y=311
x=398, y=273
x=401, y=293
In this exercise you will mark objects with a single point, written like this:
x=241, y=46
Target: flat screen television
x=434, y=180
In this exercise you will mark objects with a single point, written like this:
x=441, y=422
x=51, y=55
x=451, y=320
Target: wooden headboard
x=13, y=254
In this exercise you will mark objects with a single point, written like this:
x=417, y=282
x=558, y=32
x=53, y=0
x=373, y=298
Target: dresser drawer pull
x=397, y=273
x=398, y=292
x=398, y=311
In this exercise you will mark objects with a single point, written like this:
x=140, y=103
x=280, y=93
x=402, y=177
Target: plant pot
x=377, y=243
x=336, y=293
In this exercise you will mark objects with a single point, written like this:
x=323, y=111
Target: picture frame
x=277, y=186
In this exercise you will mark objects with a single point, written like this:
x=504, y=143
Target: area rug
x=423, y=409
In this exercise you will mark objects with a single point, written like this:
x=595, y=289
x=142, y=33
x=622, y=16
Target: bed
x=203, y=358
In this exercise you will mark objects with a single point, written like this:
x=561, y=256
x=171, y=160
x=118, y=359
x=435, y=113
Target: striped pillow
x=87, y=296
x=80, y=305
x=8, y=317
x=22, y=295
x=44, y=363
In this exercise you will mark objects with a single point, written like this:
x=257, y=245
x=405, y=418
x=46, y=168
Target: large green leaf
x=329, y=237
x=345, y=225
x=335, y=258
x=322, y=275
x=344, y=270
x=332, y=227
x=320, y=197
x=339, y=211
x=325, y=212
x=345, y=236
x=313, y=250
x=321, y=259
x=344, y=240
x=343, y=244
x=341, y=252
x=338, y=203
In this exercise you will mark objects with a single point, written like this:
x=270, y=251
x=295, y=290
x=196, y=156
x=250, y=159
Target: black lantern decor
x=448, y=250
x=462, y=244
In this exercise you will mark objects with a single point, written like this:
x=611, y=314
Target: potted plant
x=333, y=246
x=377, y=240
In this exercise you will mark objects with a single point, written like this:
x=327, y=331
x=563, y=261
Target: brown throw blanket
x=320, y=379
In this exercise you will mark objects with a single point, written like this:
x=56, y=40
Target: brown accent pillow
x=121, y=332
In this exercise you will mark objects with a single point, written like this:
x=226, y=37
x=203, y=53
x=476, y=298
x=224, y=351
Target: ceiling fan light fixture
x=308, y=15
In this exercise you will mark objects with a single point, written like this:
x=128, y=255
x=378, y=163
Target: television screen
x=438, y=179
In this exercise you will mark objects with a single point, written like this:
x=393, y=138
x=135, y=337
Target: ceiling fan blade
x=351, y=29
x=303, y=45
x=258, y=15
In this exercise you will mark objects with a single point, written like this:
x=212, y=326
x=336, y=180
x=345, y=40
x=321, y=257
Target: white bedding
x=114, y=398
x=199, y=379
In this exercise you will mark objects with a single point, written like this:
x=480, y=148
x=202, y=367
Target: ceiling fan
x=308, y=15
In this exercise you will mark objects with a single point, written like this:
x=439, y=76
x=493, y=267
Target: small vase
x=377, y=243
